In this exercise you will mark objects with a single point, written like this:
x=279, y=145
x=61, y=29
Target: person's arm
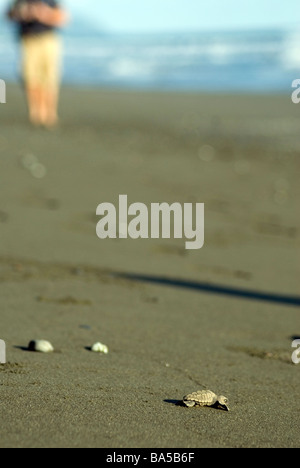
x=50, y=16
x=39, y=12
x=19, y=14
x=10, y=14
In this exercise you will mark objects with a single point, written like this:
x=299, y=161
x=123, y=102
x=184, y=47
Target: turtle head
x=223, y=402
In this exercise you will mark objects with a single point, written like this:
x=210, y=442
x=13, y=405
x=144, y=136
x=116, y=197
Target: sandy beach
x=221, y=318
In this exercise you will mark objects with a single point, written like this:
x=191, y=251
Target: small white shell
x=99, y=348
x=41, y=346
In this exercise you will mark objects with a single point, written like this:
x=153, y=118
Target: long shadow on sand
x=174, y=402
x=213, y=289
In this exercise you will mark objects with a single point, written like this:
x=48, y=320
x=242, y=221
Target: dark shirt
x=35, y=27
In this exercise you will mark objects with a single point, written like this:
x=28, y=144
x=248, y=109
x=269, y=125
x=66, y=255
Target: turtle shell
x=202, y=398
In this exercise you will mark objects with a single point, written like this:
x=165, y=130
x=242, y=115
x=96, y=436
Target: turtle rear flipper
x=189, y=403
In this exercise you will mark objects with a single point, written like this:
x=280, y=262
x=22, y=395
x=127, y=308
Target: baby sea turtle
x=206, y=398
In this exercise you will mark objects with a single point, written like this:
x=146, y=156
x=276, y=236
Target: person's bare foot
x=35, y=121
x=51, y=122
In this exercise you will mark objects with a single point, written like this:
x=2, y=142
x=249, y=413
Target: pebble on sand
x=41, y=346
x=99, y=348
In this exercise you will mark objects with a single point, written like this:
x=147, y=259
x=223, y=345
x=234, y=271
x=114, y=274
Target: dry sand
x=240, y=155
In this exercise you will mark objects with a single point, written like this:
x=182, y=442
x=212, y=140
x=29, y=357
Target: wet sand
x=174, y=320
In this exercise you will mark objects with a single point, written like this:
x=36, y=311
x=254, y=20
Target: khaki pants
x=42, y=61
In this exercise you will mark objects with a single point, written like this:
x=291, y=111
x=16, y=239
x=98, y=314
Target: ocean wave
x=291, y=51
x=255, y=60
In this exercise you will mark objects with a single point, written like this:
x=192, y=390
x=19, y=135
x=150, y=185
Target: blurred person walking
x=37, y=21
